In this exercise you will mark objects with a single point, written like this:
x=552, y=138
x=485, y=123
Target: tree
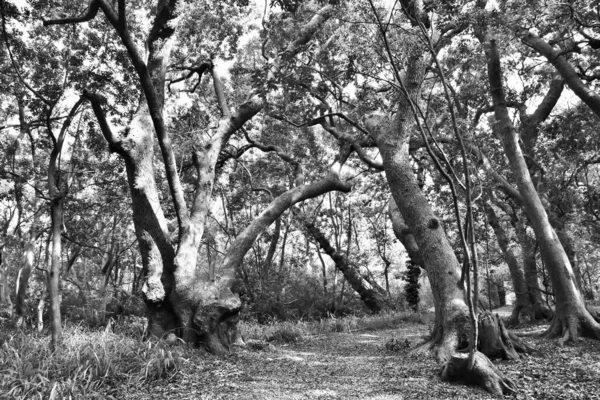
x=571, y=317
x=200, y=311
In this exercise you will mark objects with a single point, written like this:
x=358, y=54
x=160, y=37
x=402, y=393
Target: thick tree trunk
x=495, y=341
x=438, y=258
x=150, y=224
x=571, y=317
x=568, y=242
x=404, y=234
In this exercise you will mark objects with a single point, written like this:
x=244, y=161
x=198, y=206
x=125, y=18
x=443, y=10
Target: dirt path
x=358, y=366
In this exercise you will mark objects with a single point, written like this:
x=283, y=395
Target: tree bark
x=392, y=137
x=57, y=210
x=404, y=234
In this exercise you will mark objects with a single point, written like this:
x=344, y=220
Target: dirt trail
x=358, y=366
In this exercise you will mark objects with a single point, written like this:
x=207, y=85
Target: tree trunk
x=369, y=295
x=404, y=234
x=150, y=224
x=392, y=137
x=23, y=279
x=57, y=210
x=568, y=242
x=5, y=300
x=201, y=310
x=511, y=257
x=538, y=311
x=571, y=317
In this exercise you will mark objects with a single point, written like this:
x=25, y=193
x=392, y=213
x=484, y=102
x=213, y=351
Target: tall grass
x=292, y=331
x=86, y=366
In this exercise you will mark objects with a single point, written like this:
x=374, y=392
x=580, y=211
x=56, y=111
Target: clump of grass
x=87, y=365
x=284, y=331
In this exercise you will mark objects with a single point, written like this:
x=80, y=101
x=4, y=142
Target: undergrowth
x=293, y=331
x=93, y=362
x=88, y=362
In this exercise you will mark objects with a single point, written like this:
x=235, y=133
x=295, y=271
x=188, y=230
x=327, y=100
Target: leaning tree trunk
x=452, y=316
x=373, y=299
x=571, y=318
x=392, y=138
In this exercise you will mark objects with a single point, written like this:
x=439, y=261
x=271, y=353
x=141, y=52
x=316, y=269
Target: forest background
x=184, y=166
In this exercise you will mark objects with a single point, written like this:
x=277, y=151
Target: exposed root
x=423, y=349
x=571, y=328
x=483, y=374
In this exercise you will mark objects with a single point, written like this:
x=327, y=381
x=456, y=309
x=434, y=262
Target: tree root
x=483, y=374
x=571, y=328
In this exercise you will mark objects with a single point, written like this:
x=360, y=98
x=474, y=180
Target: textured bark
x=496, y=341
x=392, y=137
x=571, y=316
x=568, y=242
x=404, y=235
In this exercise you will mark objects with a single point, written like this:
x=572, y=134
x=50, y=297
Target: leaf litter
x=365, y=366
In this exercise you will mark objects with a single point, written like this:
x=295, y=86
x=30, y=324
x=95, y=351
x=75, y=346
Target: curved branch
x=243, y=242
x=88, y=15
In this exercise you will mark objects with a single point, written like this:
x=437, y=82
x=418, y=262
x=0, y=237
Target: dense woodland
x=192, y=167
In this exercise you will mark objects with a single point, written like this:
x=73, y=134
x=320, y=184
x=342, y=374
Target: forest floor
x=359, y=365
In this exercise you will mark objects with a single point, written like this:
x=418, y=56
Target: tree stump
x=495, y=341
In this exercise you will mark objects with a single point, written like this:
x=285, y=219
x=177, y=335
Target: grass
x=293, y=331
x=87, y=363
x=93, y=363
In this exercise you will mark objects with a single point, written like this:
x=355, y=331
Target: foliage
x=88, y=363
x=412, y=285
